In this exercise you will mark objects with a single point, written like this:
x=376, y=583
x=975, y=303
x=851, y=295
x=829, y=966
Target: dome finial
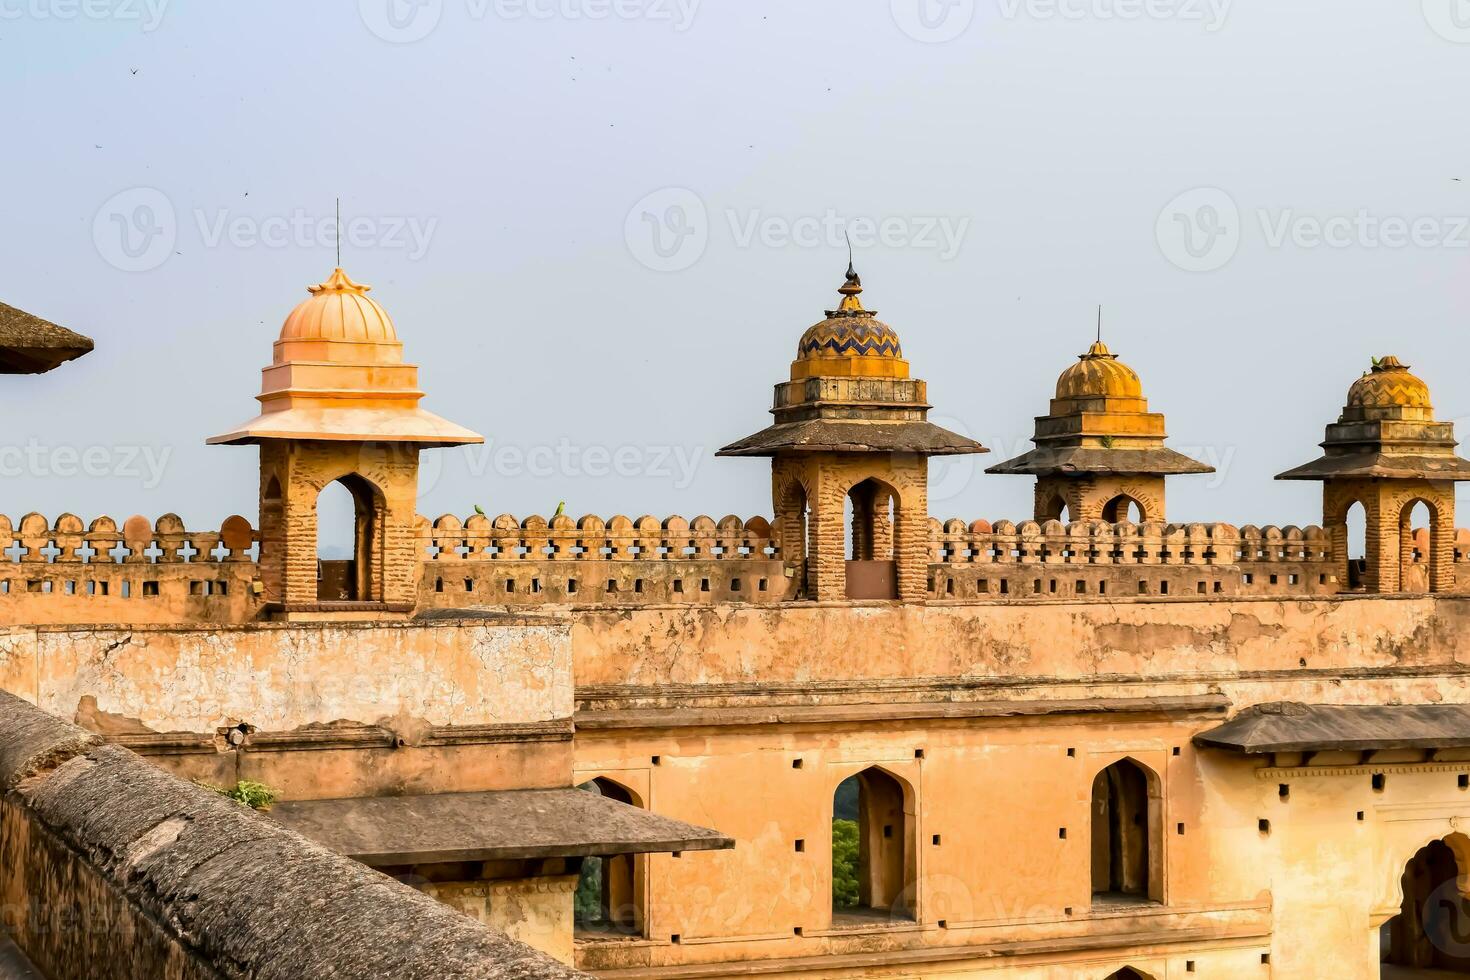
x=853, y=287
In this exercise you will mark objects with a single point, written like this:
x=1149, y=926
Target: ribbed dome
x=1389, y=385
x=1099, y=374
x=339, y=309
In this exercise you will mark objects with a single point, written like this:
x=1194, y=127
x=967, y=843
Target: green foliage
x=587, y=904
x=844, y=864
x=257, y=796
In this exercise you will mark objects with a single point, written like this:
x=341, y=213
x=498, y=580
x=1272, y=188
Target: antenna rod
x=850, y=269
x=1099, y=323
x=339, y=233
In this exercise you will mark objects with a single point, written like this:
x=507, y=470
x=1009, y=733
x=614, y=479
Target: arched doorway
x=872, y=861
x=609, y=897
x=349, y=516
x=1353, y=545
x=1126, y=840
x=872, y=525
x=1123, y=508
x=796, y=545
x=1416, y=545
x=1430, y=936
x=1054, y=509
x=1127, y=973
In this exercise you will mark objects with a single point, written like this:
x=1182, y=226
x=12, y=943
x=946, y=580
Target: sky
x=602, y=225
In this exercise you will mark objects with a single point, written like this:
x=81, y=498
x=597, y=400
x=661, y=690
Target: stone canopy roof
x=338, y=373
x=850, y=392
x=1291, y=727
x=1387, y=430
x=31, y=345
x=503, y=825
x=1099, y=422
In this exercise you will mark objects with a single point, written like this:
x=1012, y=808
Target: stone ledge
x=226, y=890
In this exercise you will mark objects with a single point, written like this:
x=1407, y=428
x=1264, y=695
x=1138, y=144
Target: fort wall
x=114, y=869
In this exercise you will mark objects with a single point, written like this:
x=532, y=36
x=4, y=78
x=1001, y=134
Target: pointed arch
x=610, y=888
x=873, y=850
x=873, y=534
x=1429, y=931
x=1127, y=833
x=359, y=577
x=1125, y=507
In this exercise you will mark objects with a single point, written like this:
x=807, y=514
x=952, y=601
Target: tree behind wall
x=844, y=864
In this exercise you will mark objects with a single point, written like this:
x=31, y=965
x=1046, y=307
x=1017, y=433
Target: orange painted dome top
x=1099, y=374
x=1389, y=385
x=339, y=309
x=850, y=342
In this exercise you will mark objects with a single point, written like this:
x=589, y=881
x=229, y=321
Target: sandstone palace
x=844, y=738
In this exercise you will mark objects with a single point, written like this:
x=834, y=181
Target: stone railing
x=535, y=561
x=142, y=572
x=68, y=572
x=114, y=870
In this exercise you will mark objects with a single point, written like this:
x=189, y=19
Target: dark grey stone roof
x=1383, y=466
x=847, y=436
x=531, y=823
x=1076, y=460
x=1286, y=726
x=30, y=345
x=232, y=889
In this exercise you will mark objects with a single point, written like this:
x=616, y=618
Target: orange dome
x=339, y=309
x=1099, y=374
x=1389, y=385
x=850, y=342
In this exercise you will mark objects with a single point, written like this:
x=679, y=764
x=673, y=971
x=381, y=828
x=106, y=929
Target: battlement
x=159, y=572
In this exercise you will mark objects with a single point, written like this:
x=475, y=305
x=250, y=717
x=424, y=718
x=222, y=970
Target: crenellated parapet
x=70, y=571
x=529, y=561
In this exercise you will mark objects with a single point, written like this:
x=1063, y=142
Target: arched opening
x=795, y=515
x=609, y=897
x=872, y=518
x=871, y=860
x=1055, y=509
x=1430, y=936
x=1123, y=508
x=349, y=517
x=1416, y=545
x=1127, y=973
x=1354, y=544
x=1126, y=845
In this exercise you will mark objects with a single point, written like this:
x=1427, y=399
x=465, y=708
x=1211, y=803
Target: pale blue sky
x=494, y=165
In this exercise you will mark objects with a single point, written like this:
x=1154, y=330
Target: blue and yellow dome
x=851, y=342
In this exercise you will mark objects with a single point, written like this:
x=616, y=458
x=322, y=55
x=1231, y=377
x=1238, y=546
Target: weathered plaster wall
x=317, y=711
x=997, y=718
x=114, y=869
